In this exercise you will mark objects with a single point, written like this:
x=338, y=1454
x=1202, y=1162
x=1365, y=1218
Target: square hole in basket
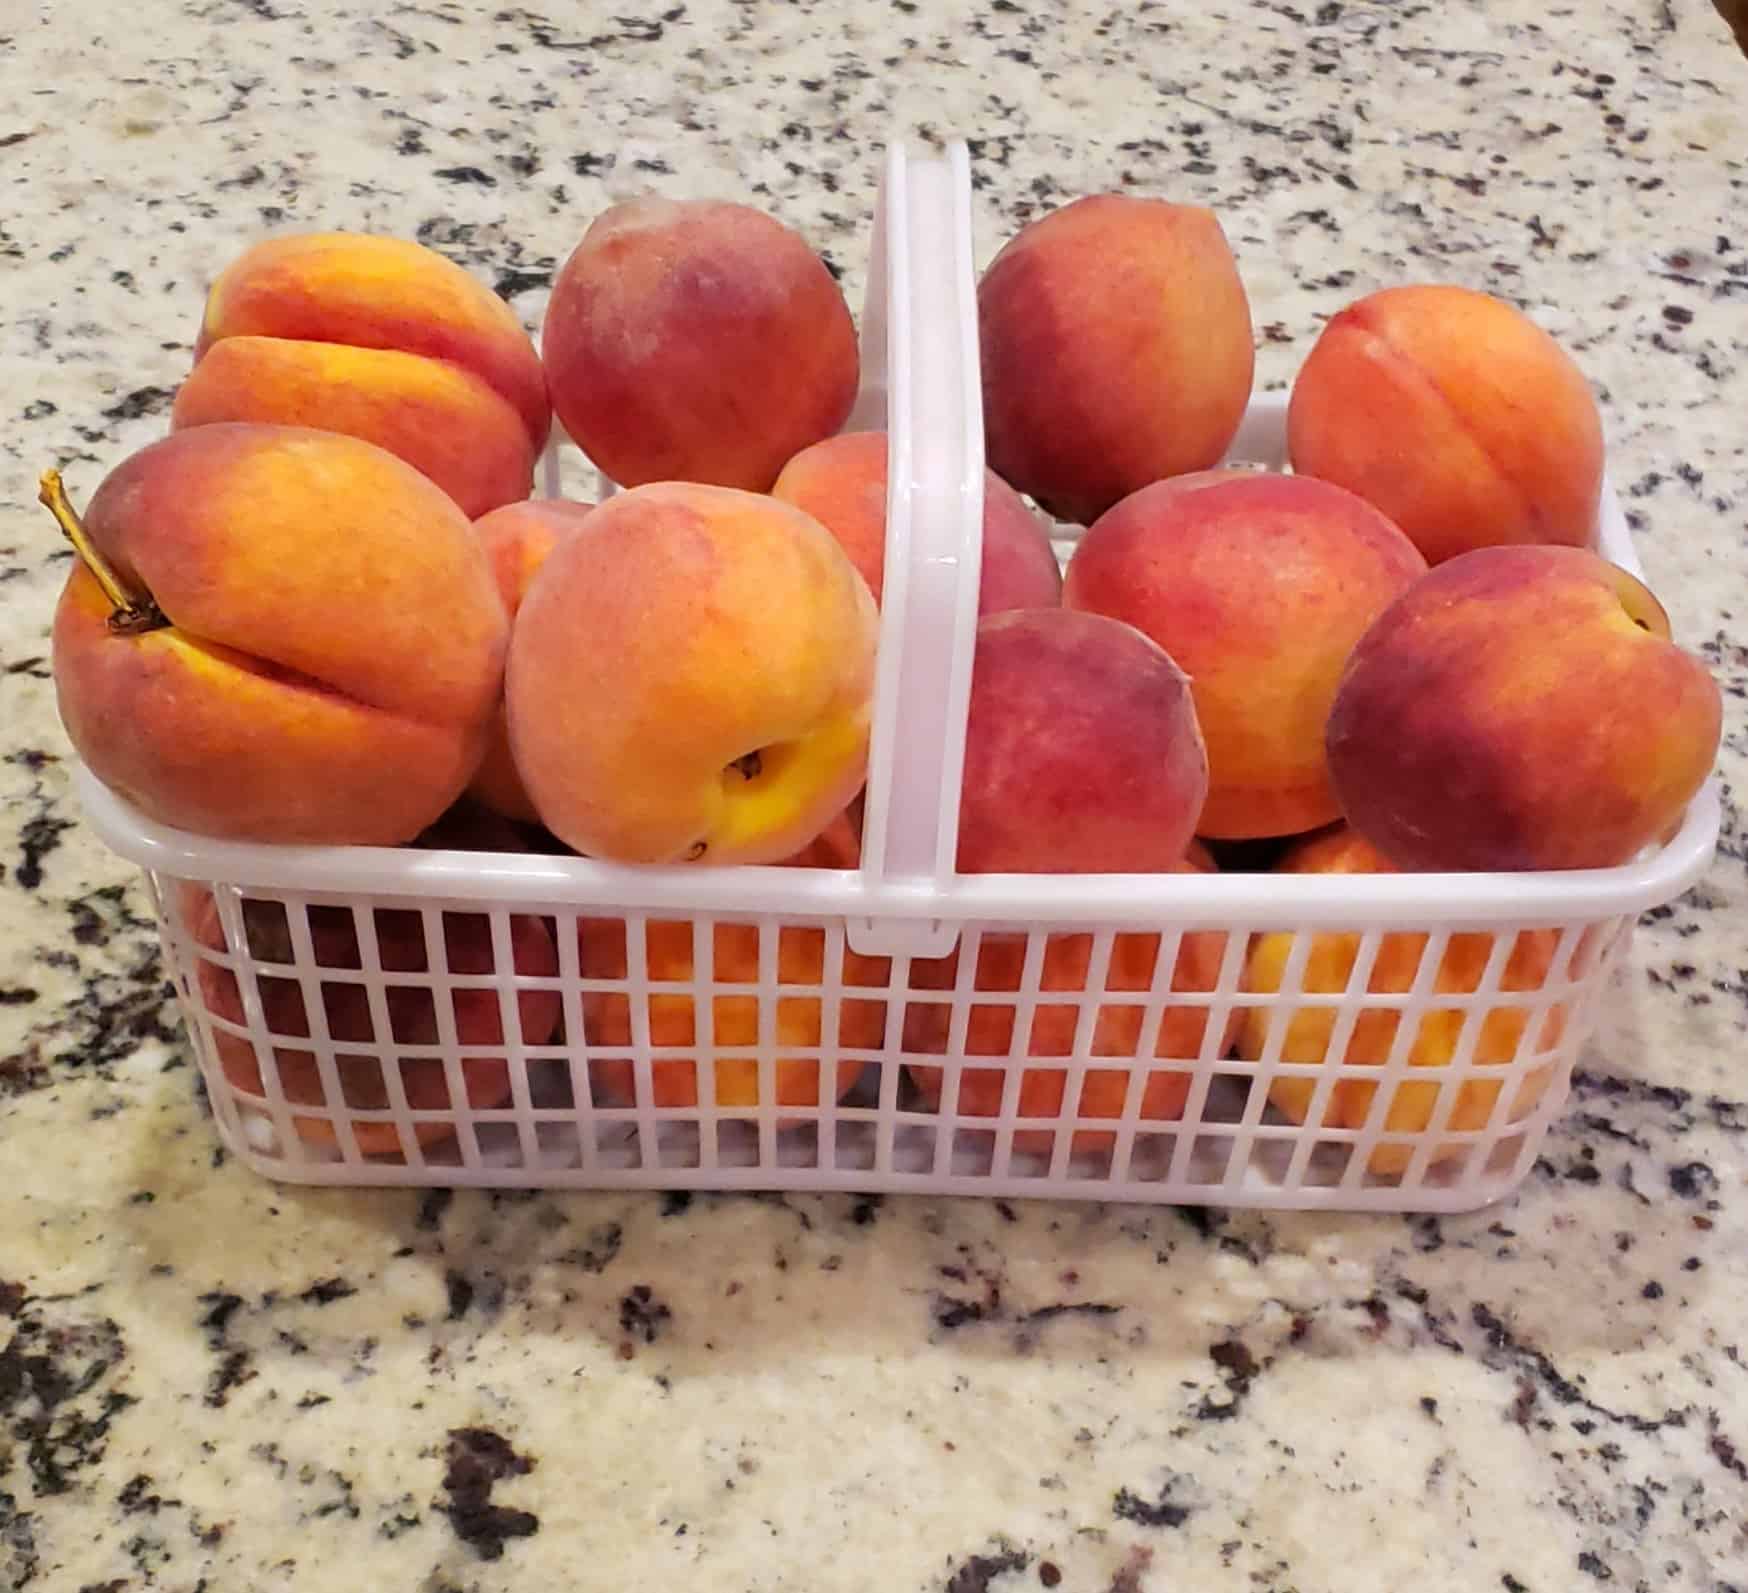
x=1149, y=1157
x=853, y=1146
x=601, y=952
x=1210, y=1157
x=673, y=1144
x=737, y=1142
x=861, y=1023
x=973, y=1150
x=1328, y=1161
x=1030, y=1153
x=798, y=1144
x=1001, y=963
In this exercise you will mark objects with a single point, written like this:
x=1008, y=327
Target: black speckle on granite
x=471, y=175
x=1504, y=1349
x=597, y=1252
x=1693, y=1180
x=511, y=282
x=479, y=1459
x=460, y=1293
x=977, y=1574
x=432, y=1205
x=1160, y=1511
x=325, y=1291
x=1239, y=1369
x=57, y=1396
x=141, y=401
x=642, y=1315
x=676, y=1201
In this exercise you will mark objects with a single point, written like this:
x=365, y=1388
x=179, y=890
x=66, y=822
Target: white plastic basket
x=375, y=1016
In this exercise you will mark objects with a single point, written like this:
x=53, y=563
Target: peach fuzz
x=797, y=1019
x=1454, y=413
x=691, y=678
x=1328, y=969
x=694, y=340
x=841, y=482
x=517, y=539
x=412, y=1013
x=1082, y=753
x=1117, y=350
x=1258, y=586
x=1118, y=1029
x=380, y=338
x=1521, y=708
x=316, y=675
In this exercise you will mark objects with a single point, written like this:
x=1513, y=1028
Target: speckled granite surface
x=209, y=1383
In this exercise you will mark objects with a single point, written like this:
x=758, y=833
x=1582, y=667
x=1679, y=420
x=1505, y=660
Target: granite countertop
x=211, y=1383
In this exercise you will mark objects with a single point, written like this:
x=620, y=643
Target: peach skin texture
x=691, y=678
x=1454, y=413
x=334, y=648
x=516, y=538
x=1521, y=708
x=1082, y=753
x=691, y=340
x=1117, y=350
x=382, y=339
x=841, y=482
x=1329, y=967
x=1258, y=586
x=412, y=1013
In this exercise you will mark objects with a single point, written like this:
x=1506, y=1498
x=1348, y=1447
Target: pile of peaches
x=325, y=610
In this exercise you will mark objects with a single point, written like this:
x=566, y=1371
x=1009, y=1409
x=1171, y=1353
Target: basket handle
x=922, y=315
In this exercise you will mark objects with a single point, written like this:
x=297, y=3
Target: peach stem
x=132, y=614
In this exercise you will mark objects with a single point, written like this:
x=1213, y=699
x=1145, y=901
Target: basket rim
x=535, y=881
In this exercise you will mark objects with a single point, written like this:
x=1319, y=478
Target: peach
x=691, y=678
x=412, y=1015
x=382, y=339
x=516, y=539
x=296, y=669
x=699, y=341
x=1117, y=350
x=1458, y=416
x=1521, y=708
x=1329, y=965
x=1117, y=1029
x=1082, y=753
x=797, y=1020
x=1258, y=586
x=841, y=482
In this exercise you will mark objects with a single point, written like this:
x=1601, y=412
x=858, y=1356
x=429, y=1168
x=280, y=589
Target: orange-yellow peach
x=412, y=1015
x=516, y=539
x=380, y=338
x=1458, y=416
x=797, y=1019
x=693, y=340
x=1117, y=350
x=1082, y=753
x=691, y=678
x=1117, y=1029
x=331, y=646
x=1503, y=1032
x=841, y=482
x=1521, y=708
x=1258, y=586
